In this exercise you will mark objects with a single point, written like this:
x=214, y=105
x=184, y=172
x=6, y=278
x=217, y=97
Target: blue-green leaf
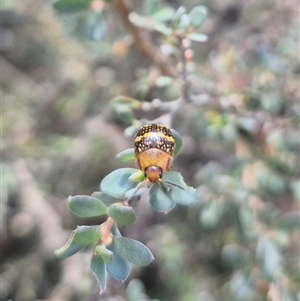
x=198, y=15
x=184, y=24
x=87, y=234
x=119, y=268
x=211, y=214
x=123, y=215
x=163, y=81
x=102, y=251
x=178, y=141
x=121, y=100
x=117, y=182
x=269, y=255
x=96, y=27
x=240, y=285
x=151, y=6
x=104, y=198
x=197, y=37
x=162, y=28
x=234, y=255
x=135, y=290
x=160, y=198
x=163, y=14
x=288, y=220
x=115, y=231
x=86, y=206
x=125, y=113
x=98, y=268
x=177, y=15
x=137, y=19
x=70, y=248
x=71, y=6
x=132, y=250
x=137, y=177
x=126, y=155
x=181, y=193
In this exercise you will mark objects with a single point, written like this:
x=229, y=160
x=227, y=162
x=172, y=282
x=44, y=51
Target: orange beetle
x=154, y=147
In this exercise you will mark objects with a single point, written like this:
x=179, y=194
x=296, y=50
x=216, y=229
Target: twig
x=52, y=235
x=142, y=42
x=106, y=234
x=185, y=81
x=33, y=201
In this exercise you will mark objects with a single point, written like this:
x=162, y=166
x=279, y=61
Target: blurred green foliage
x=235, y=101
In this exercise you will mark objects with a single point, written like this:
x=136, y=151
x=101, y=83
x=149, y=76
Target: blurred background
x=60, y=136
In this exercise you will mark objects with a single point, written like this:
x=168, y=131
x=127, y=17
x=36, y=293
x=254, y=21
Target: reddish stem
x=106, y=234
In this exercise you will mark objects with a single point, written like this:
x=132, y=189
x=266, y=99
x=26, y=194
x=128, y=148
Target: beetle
x=154, y=147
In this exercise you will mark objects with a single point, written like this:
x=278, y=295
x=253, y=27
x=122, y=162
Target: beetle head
x=153, y=173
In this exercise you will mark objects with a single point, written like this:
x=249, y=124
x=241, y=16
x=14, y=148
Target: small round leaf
x=125, y=114
x=211, y=215
x=137, y=177
x=70, y=248
x=178, y=141
x=163, y=14
x=163, y=81
x=198, y=15
x=162, y=28
x=98, y=268
x=150, y=6
x=126, y=155
x=117, y=182
x=135, y=290
x=289, y=220
x=126, y=101
x=123, y=215
x=183, y=24
x=119, y=268
x=132, y=250
x=87, y=234
x=71, y=6
x=269, y=256
x=181, y=193
x=86, y=206
x=197, y=37
x=104, y=198
x=177, y=15
x=96, y=26
x=137, y=19
x=106, y=254
x=234, y=255
x=160, y=198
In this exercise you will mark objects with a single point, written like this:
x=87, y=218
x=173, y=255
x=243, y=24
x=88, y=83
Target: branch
x=34, y=202
x=142, y=42
x=52, y=237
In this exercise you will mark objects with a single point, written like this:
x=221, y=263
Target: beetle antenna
x=175, y=185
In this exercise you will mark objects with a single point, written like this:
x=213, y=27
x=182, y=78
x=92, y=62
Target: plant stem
x=185, y=81
x=106, y=234
x=142, y=41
